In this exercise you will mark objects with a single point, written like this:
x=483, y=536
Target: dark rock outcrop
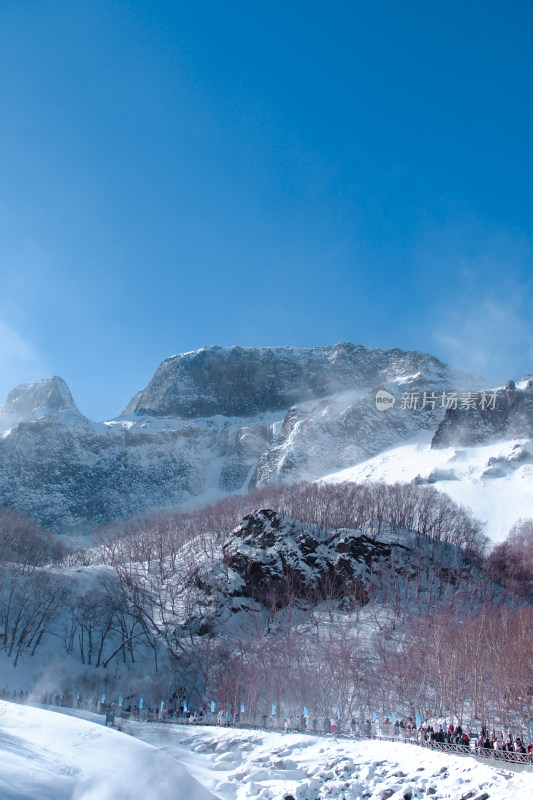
x=280, y=559
x=276, y=561
x=504, y=414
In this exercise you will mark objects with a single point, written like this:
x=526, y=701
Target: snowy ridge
x=48, y=755
x=223, y=420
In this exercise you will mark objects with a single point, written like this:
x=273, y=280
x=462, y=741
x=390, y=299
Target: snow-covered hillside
x=212, y=422
x=494, y=480
x=48, y=755
x=237, y=764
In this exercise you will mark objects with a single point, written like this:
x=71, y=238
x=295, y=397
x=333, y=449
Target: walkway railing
x=466, y=750
x=380, y=731
x=389, y=733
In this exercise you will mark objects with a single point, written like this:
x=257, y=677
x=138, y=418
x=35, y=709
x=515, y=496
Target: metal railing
x=469, y=750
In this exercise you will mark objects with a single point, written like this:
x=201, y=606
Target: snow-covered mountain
x=222, y=420
x=481, y=457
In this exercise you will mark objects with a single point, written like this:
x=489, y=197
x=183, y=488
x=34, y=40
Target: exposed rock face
x=241, y=382
x=215, y=421
x=47, y=396
x=280, y=560
x=505, y=414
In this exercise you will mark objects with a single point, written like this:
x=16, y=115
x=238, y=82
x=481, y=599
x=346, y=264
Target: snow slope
x=239, y=764
x=49, y=756
x=493, y=480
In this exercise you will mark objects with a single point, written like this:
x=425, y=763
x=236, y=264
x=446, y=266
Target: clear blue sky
x=178, y=174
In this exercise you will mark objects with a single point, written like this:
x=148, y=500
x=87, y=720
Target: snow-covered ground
x=50, y=756
x=237, y=764
x=494, y=480
x=45, y=755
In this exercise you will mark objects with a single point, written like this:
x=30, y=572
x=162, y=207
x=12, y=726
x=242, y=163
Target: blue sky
x=177, y=174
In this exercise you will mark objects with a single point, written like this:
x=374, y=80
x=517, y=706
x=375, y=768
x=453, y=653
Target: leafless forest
x=151, y=606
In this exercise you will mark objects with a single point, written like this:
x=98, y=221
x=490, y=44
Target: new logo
x=384, y=400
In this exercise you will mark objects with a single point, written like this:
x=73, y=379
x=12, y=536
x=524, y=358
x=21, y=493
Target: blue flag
x=306, y=711
x=141, y=702
x=242, y=708
x=102, y=699
x=161, y=707
x=273, y=709
x=393, y=717
x=213, y=705
x=374, y=717
x=120, y=700
x=418, y=720
x=338, y=714
x=185, y=705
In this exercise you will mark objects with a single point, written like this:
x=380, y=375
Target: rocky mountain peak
x=243, y=381
x=50, y=395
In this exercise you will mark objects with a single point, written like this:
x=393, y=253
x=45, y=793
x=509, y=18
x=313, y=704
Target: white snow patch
x=494, y=481
x=49, y=756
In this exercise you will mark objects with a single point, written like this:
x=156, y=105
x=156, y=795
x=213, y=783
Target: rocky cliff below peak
x=280, y=559
x=505, y=413
x=276, y=560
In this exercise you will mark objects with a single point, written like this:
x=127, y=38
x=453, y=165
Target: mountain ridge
x=72, y=474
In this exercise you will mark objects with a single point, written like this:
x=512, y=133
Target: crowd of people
x=496, y=741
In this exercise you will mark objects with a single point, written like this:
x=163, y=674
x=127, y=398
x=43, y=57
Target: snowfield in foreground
x=237, y=764
x=49, y=756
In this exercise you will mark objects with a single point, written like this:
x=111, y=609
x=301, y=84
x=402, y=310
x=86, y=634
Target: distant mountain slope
x=494, y=480
x=504, y=414
x=216, y=421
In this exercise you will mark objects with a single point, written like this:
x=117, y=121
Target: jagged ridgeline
x=210, y=422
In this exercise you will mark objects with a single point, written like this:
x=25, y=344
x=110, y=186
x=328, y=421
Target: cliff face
x=280, y=559
x=503, y=414
x=242, y=382
x=275, y=560
x=42, y=397
x=214, y=421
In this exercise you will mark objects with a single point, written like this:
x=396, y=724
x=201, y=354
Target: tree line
x=150, y=596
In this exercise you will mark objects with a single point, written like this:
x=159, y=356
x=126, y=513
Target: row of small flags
x=418, y=717
x=243, y=709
